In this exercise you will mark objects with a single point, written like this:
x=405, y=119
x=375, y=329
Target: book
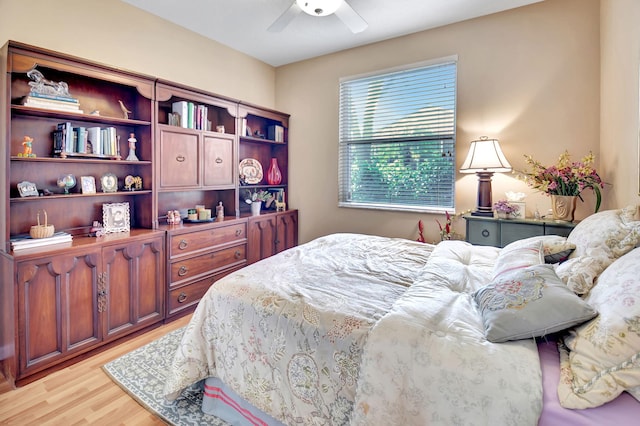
x=181, y=108
x=80, y=137
x=67, y=136
x=190, y=115
x=93, y=137
x=26, y=241
x=52, y=104
x=53, y=97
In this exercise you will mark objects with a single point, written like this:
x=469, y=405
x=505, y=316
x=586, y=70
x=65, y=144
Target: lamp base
x=482, y=213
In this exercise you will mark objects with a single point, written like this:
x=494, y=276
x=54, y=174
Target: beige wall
x=620, y=95
x=529, y=77
x=115, y=33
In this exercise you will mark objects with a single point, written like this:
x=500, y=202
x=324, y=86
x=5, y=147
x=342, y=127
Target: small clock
x=109, y=182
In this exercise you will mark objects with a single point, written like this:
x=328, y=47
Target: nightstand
x=489, y=231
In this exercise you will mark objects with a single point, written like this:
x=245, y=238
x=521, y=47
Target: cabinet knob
x=183, y=244
x=237, y=254
x=238, y=232
x=182, y=271
x=219, y=160
x=485, y=233
x=180, y=158
x=182, y=297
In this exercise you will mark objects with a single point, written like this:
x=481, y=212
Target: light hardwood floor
x=81, y=394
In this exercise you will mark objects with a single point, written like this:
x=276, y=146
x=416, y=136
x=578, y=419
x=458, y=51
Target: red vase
x=274, y=176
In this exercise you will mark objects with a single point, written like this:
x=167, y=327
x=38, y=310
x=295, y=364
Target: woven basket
x=42, y=231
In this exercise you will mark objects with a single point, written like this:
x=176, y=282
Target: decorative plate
x=250, y=171
x=109, y=182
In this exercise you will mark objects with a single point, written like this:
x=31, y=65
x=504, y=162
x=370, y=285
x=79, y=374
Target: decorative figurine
x=27, y=143
x=132, y=148
x=220, y=212
x=125, y=111
x=47, y=87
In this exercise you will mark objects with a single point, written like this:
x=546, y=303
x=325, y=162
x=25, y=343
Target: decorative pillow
x=555, y=248
x=527, y=303
x=518, y=255
x=600, y=239
x=601, y=358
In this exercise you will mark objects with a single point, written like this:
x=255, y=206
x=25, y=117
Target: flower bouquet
x=566, y=177
x=505, y=208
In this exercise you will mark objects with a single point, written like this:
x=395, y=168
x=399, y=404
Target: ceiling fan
x=321, y=8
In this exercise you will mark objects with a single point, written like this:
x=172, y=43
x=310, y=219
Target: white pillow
x=518, y=255
x=601, y=358
x=600, y=239
x=555, y=247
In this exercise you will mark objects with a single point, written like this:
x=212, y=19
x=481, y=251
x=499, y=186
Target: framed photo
x=88, y=184
x=115, y=217
x=109, y=182
x=27, y=189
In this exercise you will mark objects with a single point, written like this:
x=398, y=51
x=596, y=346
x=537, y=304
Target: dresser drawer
x=193, y=267
x=182, y=244
x=483, y=232
x=187, y=296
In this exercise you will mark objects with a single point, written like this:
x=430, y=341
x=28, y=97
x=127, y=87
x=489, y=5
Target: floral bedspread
x=362, y=330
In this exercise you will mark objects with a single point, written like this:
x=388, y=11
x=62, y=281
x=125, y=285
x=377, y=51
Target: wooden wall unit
x=62, y=301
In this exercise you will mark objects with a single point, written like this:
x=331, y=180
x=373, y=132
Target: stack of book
x=189, y=116
x=69, y=140
x=21, y=242
x=57, y=103
x=275, y=133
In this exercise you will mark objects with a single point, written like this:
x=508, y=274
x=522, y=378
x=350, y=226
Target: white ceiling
x=242, y=24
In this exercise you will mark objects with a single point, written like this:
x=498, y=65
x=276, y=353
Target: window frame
x=344, y=166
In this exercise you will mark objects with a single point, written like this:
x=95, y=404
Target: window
x=397, y=138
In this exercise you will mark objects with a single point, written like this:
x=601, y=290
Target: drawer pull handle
x=485, y=233
x=219, y=160
x=183, y=244
x=182, y=271
x=238, y=232
x=182, y=297
x=237, y=254
x=180, y=158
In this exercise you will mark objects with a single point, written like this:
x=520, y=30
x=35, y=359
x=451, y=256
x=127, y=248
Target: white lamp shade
x=319, y=7
x=485, y=155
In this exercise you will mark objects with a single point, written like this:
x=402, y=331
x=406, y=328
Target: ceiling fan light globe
x=319, y=7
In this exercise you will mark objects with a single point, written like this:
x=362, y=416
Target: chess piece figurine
x=124, y=109
x=132, y=148
x=220, y=212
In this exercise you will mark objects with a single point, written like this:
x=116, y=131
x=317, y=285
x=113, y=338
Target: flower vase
x=255, y=208
x=502, y=215
x=274, y=176
x=563, y=207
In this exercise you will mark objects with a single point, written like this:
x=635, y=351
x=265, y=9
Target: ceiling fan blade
x=351, y=18
x=284, y=19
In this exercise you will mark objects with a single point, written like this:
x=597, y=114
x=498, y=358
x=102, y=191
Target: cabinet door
x=287, y=230
x=262, y=235
x=218, y=164
x=179, y=159
x=133, y=285
x=57, y=308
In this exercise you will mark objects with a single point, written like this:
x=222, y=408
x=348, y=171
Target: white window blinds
x=397, y=139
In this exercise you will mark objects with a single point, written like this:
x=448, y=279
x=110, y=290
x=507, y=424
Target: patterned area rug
x=141, y=374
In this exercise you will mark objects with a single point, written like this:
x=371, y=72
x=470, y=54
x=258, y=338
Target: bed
x=367, y=330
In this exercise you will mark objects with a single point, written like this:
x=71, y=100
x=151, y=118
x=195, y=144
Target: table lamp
x=484, y=159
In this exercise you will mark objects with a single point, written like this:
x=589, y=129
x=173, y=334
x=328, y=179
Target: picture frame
x=115, y=217
x=88, y=184
x=27, y=189
x=522, y=208
x=109, y=182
